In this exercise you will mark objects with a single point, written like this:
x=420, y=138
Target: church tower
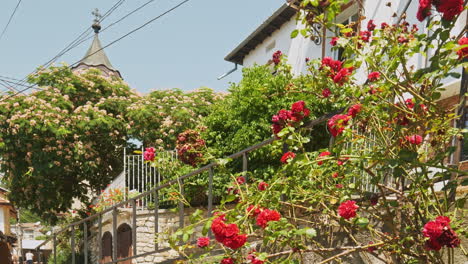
x=95, y=57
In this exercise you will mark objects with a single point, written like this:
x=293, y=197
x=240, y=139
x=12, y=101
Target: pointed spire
x=95, y=57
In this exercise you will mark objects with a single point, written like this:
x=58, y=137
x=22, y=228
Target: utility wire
x=135, y=30
x=113, y=42
x=9, y=20
x=77, y=41
x=119, y=20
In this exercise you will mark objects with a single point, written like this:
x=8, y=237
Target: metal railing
x=97, y=219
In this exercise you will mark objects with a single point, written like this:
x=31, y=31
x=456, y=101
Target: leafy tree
x=243, y=118
x=63, y=141
x=157, y=118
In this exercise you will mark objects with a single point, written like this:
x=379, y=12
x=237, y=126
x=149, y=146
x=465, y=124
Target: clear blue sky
x=184, y=49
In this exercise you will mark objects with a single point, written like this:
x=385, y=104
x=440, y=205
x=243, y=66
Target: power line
x=9, y=20
x=77, y=41
x=135, y=30
x=118, y=21
x=115, y=41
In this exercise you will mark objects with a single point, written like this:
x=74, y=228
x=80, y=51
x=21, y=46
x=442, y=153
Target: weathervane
x=97, y=18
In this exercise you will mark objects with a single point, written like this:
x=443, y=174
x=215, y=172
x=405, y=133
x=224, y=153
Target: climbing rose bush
x=382, y=189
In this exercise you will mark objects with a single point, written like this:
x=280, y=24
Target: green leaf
x=206, y=228
x=294, y=33
x=362, y=222
x=230, y=198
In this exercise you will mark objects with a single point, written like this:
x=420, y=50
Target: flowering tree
x=371, y=195
x=160, y=116
x=64, y=140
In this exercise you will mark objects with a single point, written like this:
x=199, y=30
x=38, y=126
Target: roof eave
x=236, y=56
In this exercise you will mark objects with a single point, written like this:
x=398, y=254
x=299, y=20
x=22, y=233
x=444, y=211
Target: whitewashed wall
x=300, y=48
x=2, y=220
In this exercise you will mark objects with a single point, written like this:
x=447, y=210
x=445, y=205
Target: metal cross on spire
x=97, y=15
x=97, y=18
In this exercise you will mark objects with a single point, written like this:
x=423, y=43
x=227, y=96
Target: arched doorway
x=124, y=243
x=5, y=256
x=106, y=245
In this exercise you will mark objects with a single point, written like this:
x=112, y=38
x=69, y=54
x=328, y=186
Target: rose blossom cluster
x=277, y=57
x=289, y=117
x=227, y=234
x=449, y=8
x=287, y=157
x=149, y=154
x=348, y=209
x=263, y=216
x=337, y=72
x=337, y=124
x=463, y=52
x=440, y=234
x=189, y=147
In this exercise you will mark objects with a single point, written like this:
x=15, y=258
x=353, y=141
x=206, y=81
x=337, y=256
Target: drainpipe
x=229, y=72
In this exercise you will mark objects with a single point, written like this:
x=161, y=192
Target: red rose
x=262, y=186
x=449, y=8
x=277, y=57
x=414, y=139
x=371, y=249
x=335, y=175
x=149, y=154
x=267, y=216
x=253, y=210
x=370, y=25
x=298, y=106
x=323, y=154
x=463, y=52
x=348, y=209
x=365, y=35
x=440, y=234
x=342, y=76
x=227, y=261
x=424, y=9
x=334, y=41
x=276, y=128
x=409, y=103
x=240, y=180
x=339, y=186
x=307, y=59
x=227, y=234
x=337, y=124
x=203, y=242
x=373, y=76
x=334, y=65
x=384, y=25
x=354, y=110
x=235, y=241
x=326, y=92
x=287, y=157
x=284, y=114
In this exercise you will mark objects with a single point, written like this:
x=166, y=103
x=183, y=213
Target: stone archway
x=5, y=255
x=106, y=244
x=124, y=243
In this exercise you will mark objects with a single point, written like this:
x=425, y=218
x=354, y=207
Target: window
x=28, y=235
x=339, y=53
x=270, y=46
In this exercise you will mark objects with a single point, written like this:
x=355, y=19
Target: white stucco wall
x=300, y=48
x=2, y=220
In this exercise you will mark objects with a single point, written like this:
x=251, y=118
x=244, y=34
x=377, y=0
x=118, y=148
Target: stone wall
x=168, y=221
